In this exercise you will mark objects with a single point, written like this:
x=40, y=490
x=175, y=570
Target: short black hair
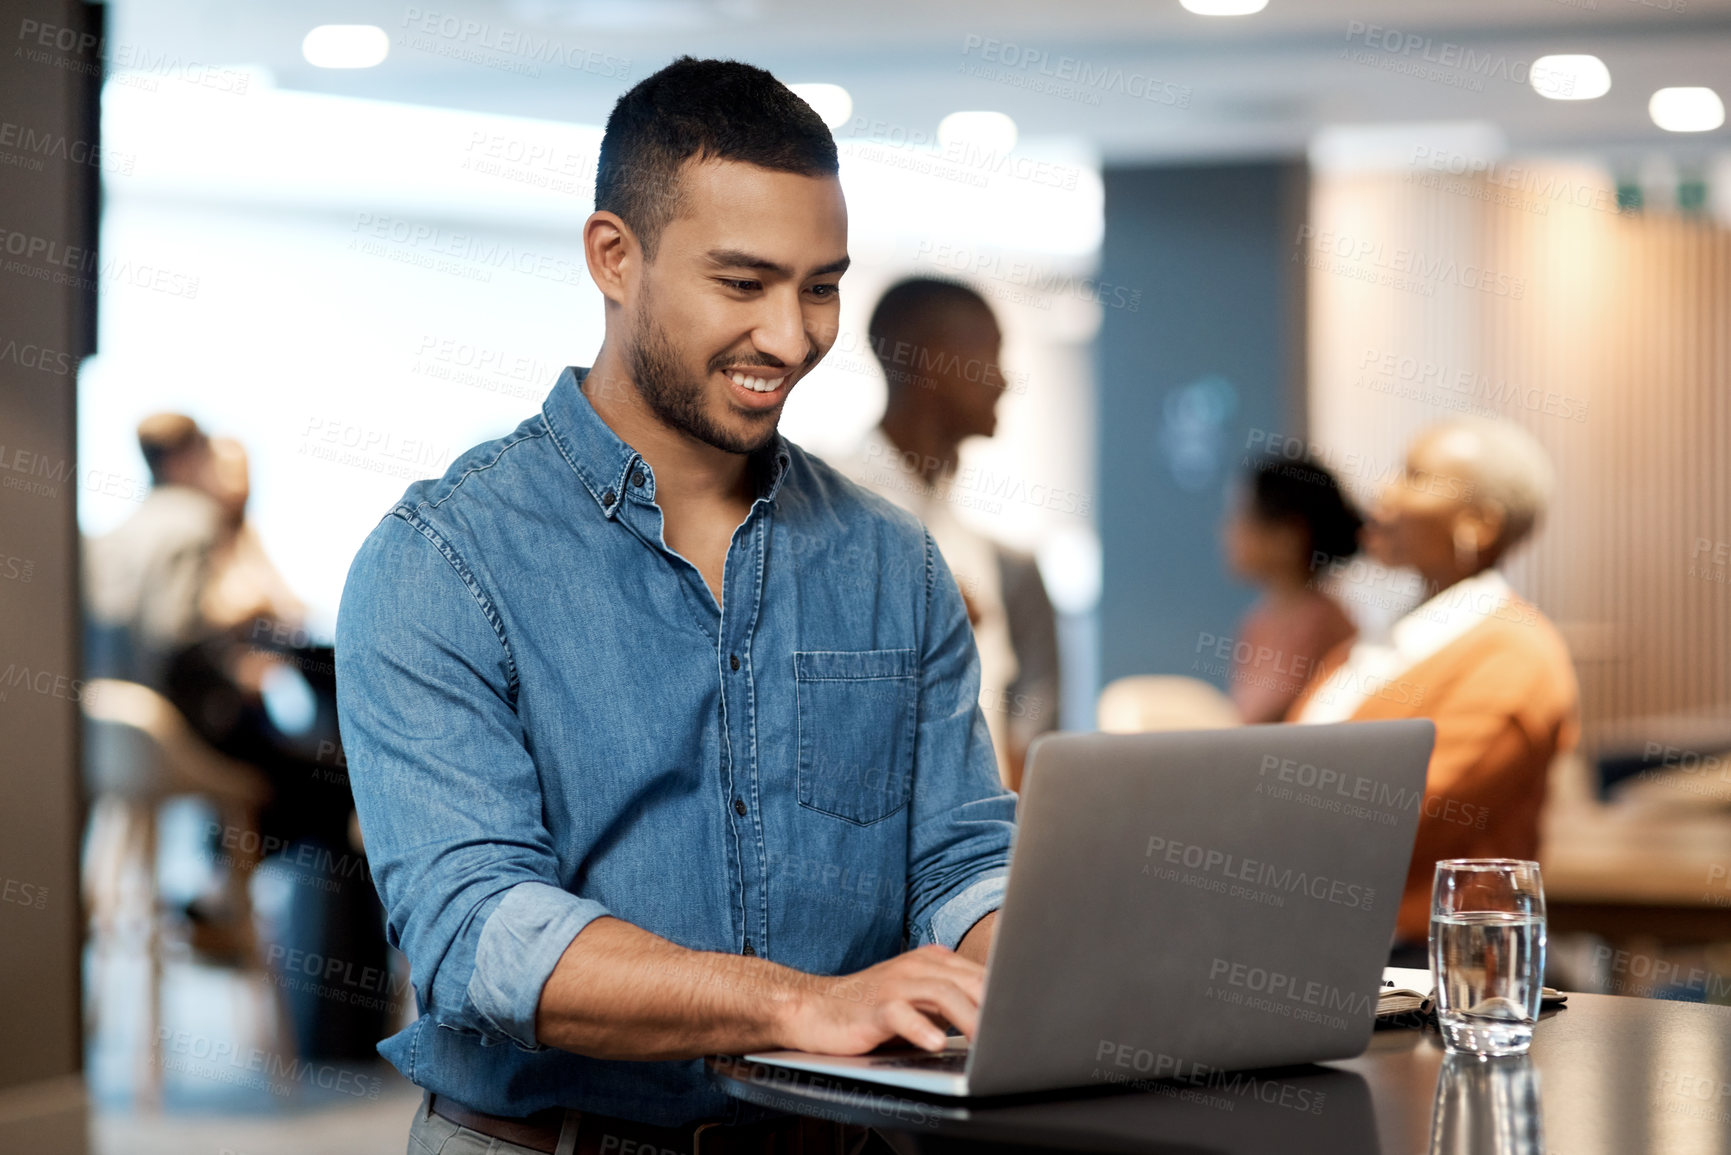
x=705, y=110
x=1302, y=492
x=909, y=311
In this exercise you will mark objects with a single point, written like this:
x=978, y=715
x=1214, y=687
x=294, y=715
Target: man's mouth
x=758, y=384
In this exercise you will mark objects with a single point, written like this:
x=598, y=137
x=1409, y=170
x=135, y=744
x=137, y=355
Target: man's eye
x=742, y=286
x=825, y=292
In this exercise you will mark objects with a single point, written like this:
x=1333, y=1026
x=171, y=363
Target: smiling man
x=664, y=736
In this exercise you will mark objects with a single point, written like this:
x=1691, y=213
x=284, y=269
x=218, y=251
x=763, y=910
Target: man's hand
x=620, y=992
x=911, y=996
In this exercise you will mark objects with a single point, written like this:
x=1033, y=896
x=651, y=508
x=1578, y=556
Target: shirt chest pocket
x=856, y=717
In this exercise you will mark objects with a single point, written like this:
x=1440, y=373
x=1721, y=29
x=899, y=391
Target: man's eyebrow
x=740, y=259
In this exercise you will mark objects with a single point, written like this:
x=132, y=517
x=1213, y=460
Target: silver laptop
x=1181, y=905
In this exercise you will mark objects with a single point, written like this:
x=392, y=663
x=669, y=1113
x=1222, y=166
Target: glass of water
x=1487, y=953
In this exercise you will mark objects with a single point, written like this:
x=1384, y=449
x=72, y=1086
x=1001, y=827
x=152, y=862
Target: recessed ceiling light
x=346, y=46
x=987, y=131
x=1224, y=7
x=1569, y=77
x=1686, y=109
x=829, y=101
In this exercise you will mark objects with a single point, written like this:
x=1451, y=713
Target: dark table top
x=1609, y=1075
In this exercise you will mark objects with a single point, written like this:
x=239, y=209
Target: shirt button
x=636, y=477
x=739, y=807
x=748, y=952
x=733, y=660
x=607, y=498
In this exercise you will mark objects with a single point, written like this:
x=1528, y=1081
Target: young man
x=665, y=737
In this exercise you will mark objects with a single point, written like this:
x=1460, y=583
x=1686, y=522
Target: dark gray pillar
x=1212, y=356
x=49, y=184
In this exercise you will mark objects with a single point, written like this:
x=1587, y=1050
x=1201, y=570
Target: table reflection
x=1487, y=1106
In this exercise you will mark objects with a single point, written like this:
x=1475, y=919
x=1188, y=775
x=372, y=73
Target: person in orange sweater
x=1482, y=663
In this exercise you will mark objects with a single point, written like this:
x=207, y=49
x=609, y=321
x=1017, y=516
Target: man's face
x=740, y=302
x=969, y=377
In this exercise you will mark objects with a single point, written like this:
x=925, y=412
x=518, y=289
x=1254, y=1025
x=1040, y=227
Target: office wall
x=47, y=295
x=1528, y=295
x=1205, y=369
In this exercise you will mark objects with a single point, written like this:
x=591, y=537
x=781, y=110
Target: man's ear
x=613, y=254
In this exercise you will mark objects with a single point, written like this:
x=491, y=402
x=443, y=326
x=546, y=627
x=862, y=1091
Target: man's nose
x=780, y=331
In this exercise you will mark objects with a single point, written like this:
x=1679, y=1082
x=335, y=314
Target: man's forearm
x=977, y=943
x=620, y=992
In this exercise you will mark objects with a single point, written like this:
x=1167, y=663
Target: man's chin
x=743, y=433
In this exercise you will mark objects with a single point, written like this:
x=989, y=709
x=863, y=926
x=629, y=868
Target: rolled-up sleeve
x=449, y=800
x=963, y=820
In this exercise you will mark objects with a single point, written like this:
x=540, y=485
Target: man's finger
x=914, y=1027
x=950, y=1001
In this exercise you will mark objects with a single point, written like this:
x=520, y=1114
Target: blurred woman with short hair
x=1486, y=666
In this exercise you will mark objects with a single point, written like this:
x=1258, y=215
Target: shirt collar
x=607, y=466
x=1450, y=614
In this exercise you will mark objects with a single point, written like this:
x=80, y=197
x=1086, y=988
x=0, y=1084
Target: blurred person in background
x=145, y=580
x=938, y=344
x=1288, y=526
x=1486, y=666
x=251, y=679
x=244, y=584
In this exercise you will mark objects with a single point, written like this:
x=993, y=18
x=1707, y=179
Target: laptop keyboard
x=947, y=1061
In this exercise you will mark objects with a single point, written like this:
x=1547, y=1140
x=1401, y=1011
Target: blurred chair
x=139, y=751
x=1145, y=702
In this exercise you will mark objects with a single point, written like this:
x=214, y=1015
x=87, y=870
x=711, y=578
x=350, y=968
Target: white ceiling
x=1258, y=85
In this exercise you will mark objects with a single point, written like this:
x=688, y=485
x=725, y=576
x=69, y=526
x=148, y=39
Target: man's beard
x=676, y=399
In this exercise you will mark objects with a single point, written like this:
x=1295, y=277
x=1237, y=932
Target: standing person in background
x=1290, y=523
x=145, y=580
x=938, y=344
x=1487, y=667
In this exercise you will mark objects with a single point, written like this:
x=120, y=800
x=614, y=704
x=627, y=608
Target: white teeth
x=756, y=384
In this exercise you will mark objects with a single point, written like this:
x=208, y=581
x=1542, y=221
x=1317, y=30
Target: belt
x=561, y=1132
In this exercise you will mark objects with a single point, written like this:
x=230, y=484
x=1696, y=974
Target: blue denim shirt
x=548, y=718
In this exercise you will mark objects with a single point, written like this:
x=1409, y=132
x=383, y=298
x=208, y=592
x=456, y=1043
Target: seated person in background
x=252, y=681
x=1290, y=523
x=244, y=584
x=256, y=686
x=1484, y=665
x=938, y=344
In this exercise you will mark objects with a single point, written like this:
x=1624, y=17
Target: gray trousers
x=432, y=1134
